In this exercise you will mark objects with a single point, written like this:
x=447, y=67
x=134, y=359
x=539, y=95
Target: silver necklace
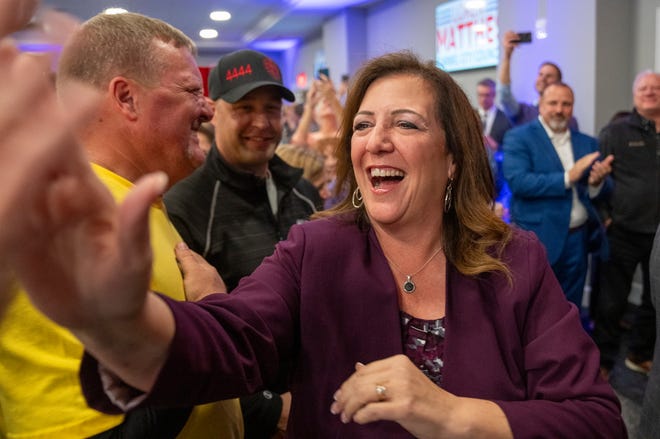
x=408, y=285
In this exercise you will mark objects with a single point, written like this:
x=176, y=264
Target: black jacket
x=224, y=214
x=635, y=202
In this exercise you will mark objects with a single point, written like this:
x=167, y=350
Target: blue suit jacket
x=540, y=202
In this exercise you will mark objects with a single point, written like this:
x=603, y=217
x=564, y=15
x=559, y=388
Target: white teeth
x=388, y=172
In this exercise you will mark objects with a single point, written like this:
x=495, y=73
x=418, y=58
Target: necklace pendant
x=409, y=285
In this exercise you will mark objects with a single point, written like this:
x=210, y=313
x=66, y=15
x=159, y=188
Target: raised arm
x=299, y=137
x=508, y=102
x=329, y=94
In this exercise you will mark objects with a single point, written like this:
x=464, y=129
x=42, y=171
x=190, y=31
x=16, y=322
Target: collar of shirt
x=271, y=190
x=486, y=113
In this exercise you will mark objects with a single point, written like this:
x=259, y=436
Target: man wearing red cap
x=236, y=207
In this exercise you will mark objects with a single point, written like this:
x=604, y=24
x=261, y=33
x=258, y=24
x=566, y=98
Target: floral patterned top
x=423, y=343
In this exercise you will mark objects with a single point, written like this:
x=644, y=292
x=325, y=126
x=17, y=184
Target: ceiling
x=261, y=24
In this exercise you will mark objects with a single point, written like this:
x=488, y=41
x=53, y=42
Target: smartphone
x=324, y=71
x=523, y=37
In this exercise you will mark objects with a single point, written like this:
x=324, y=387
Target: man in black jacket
x=236, y=207
x=634, y=215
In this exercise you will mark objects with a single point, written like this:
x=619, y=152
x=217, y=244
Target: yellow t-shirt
x=40, y=395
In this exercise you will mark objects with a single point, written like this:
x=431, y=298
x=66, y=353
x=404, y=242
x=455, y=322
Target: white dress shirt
x=562, y=143
x=487, y=119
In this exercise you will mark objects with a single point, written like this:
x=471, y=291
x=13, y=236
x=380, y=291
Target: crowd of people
x=380, y=260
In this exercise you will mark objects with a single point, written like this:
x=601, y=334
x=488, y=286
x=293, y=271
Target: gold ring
x=381, y=392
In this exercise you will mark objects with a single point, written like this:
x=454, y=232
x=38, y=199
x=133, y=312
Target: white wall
x=343, y=44
x=335, y=35
x=306, y=58
x=644, y=36
x=398, y=25
x=614, y=68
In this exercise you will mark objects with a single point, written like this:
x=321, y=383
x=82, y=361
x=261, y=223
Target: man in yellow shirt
x=151, y=107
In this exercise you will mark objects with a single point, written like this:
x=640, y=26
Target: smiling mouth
x=384, y=176
x=259, y=139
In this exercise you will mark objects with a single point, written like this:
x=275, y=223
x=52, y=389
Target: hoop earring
x=448, y=195
x=357, y=198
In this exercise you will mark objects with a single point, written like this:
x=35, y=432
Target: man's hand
x=199, y=277
x=600, y=170
x=508, y=42
x=576, y=172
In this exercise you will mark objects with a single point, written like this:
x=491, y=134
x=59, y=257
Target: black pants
x=149, y=423
x=627, y=250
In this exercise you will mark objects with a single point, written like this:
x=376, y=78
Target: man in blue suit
x=553, y=175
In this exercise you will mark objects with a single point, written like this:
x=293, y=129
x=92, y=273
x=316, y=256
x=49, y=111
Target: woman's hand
x=395, y=389
x=199, y=277
x=392, y=389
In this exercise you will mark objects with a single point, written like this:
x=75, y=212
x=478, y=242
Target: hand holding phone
x=523, y=37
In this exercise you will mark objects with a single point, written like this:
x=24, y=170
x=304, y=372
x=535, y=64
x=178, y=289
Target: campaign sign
x=466, y=35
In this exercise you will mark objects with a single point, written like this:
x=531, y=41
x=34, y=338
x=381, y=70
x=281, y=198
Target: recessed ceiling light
x=208, y=33
x=282, y=44
x=113, y=11
x=220, y=16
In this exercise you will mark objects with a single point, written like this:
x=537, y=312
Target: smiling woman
x=484, y=346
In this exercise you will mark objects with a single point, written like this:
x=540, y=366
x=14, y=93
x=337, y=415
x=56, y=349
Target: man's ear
x=216, y=113
x=123, y=92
